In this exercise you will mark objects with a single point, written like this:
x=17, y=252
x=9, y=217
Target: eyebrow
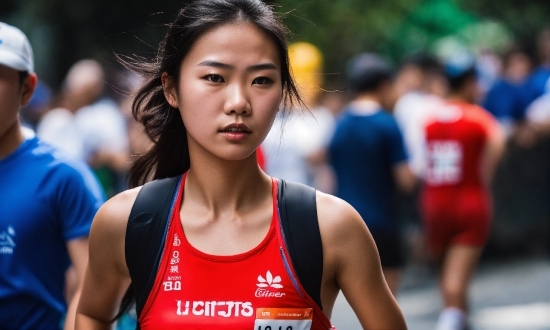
x=256, y=67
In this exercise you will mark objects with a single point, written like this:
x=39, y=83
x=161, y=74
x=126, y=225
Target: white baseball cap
x=15, y=49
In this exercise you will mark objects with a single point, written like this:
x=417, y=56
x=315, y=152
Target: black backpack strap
x=145, y=235
x=298, y=212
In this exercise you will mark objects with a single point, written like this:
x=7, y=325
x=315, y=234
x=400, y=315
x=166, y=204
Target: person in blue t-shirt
x=368, y=157
x=504, y=98
x=47, y=202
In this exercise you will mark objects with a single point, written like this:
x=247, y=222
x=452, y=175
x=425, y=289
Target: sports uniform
x=455, y=203
x=46, y=199
x=256, y=289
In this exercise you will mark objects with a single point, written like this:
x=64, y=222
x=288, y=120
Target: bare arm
x=352, y=261
x=78, y=252
x=106, y=278
x=404, y=177
x=543, y=128
x=492, y=154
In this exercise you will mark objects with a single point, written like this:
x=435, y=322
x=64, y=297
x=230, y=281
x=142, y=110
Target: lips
x=236, y=132
x=236, y=128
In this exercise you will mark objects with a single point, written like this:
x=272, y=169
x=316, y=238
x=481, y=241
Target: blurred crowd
x=90, y=116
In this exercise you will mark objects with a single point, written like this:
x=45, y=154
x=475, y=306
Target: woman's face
x=229, y=90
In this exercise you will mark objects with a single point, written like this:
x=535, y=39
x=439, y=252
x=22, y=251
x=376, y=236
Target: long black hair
x=169, y=155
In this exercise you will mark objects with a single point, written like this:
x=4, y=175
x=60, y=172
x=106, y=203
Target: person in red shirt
x=208, y=101
x=464, y=144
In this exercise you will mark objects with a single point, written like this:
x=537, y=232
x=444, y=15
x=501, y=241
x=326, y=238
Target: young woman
x=209, y=100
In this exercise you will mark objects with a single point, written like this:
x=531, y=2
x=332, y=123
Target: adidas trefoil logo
x=269, y=281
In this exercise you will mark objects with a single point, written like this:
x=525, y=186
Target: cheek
x=196, y=103
x=267, y=106
x=268, y=102
x=10, y=100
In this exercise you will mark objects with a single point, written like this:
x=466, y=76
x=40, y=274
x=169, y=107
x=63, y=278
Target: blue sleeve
x=79, y=197
x=396, y=146
x=488, y=101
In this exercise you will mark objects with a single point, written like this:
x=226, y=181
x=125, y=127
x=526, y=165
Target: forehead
x=8, y=72
x=236, y=44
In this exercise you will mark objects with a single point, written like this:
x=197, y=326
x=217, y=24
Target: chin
x=236, y=156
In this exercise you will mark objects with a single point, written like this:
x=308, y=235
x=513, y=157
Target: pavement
x=505, y=295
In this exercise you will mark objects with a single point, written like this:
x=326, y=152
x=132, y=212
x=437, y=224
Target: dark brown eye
x=262, y=81
x=215, y=78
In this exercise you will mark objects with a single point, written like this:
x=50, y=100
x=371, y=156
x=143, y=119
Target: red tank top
x=256, y=290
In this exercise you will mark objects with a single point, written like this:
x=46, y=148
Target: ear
x=27, y=89
x=169, y=89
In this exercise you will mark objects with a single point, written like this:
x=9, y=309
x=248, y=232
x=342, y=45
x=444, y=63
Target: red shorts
x=455, y=218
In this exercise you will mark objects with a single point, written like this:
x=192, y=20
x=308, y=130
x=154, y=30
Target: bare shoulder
x=108, y=233
x=343, y=230
x=338, y=220
x=109, y=225
x=114, y=213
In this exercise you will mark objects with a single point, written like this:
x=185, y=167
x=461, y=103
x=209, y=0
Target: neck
x=460, y=96
x=11, y=139
x=226, y=186
x=368, y=97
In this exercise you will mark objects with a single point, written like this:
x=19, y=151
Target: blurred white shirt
x=412, y=112
x=99, y=126
x=292, y=139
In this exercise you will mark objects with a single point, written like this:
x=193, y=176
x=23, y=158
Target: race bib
x=444, y=162
x=283, y=319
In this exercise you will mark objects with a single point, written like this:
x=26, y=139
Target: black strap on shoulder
x=145, y=235
x=298, y=211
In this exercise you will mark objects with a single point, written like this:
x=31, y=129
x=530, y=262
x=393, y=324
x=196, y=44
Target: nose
x=237, y=101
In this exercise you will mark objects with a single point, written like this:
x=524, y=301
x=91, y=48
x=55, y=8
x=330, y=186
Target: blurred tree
x=396, y=28
x=524, y=19
x=343, y=28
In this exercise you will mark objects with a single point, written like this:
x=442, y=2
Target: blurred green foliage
x=398, y=28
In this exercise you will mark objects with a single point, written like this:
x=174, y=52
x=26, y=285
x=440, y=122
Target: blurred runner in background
x=369, y=159
x=464, y=145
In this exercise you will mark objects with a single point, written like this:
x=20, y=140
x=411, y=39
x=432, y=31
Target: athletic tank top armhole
x=176, y=221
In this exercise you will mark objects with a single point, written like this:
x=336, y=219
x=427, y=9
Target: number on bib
x=444, y=162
